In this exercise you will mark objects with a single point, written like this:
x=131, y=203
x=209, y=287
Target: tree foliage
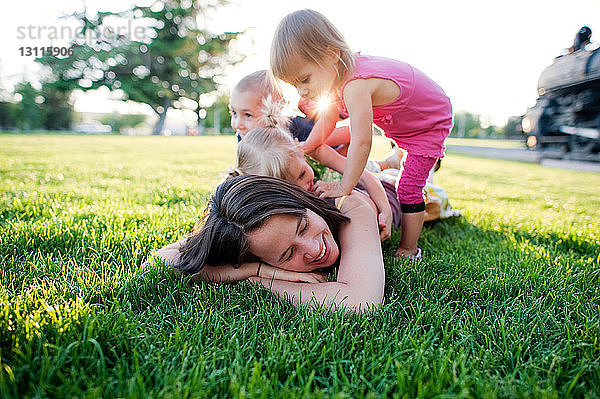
x=164, y=60
x=30, y=115
x=55, y=106
x=218, y=117
x=466, y=124
x=512, y=129
x=470, y=125
x=8, y=114
x=45, y=108
x=120, y=121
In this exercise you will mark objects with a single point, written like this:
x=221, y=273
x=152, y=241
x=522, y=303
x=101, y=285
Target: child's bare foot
x=410, y=254
x=393, y=161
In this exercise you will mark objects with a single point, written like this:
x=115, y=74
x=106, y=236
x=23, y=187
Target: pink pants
x=412, y=180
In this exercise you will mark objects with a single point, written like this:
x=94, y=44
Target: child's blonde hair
x=311, y=36
x=265, y=151
x=272, y=103
x=259, y=83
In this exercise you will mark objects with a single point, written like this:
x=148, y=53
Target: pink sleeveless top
x=420, y=119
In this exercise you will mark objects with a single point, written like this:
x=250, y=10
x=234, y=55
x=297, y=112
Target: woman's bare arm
x=170, y=255
x=361, y=274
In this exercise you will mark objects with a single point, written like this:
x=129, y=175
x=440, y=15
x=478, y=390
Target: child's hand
x=385, y=220
x=326, y=189
x=308, y=146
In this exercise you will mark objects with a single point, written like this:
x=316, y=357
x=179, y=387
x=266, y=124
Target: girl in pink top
x=311, y=54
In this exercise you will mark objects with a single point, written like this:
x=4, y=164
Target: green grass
x=505, y=304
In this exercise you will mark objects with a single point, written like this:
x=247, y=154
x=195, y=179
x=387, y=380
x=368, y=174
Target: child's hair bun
x=272, y=112
x=235, y=172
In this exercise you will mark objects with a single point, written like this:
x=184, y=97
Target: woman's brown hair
x=241, y=205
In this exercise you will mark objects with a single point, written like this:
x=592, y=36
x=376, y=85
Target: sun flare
x=323, y=104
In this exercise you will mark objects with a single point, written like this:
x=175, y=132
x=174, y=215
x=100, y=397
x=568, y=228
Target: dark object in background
x=565, y=121
x=582, y=38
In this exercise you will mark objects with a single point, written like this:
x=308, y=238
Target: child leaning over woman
x=255, y=102
x=310, y=53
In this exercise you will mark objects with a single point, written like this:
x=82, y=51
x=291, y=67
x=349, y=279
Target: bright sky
x=486, y=55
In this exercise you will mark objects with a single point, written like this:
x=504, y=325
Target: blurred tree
x=466, y=124
x=118, y=121
x=55, y=106
x=8, y=115
x=512, y=129
x=217, y=116
x=165, y=60
x=29, y=114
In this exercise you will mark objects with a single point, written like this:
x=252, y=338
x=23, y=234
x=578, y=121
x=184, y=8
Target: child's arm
x=340, y=135
x=357, y=97
x=330, y=158
x=322, y=129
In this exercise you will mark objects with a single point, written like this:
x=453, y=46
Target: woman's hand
x=325, y=189
x=226, y=273
x=269, y=272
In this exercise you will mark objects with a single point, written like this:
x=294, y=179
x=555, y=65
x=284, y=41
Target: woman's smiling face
x=296, y=244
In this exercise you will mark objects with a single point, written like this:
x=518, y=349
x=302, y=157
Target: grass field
x=505, y=304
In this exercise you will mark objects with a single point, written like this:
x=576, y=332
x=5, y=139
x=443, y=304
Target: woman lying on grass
x=272, y=232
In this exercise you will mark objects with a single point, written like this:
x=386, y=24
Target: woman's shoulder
x=354, y=203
